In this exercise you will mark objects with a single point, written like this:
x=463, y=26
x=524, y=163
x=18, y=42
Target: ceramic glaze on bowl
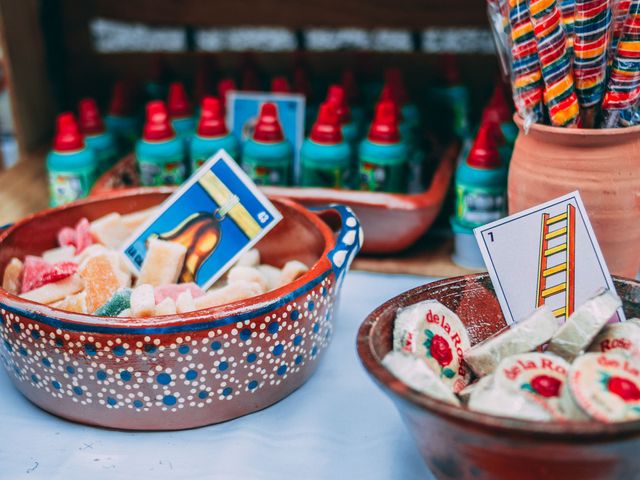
x=457, y=443
x=177, y=371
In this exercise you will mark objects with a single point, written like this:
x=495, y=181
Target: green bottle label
x=477, y=206
x=263, y=175
x=65, y=187
x=383, y=178
x=168, y=172
x=325, y=177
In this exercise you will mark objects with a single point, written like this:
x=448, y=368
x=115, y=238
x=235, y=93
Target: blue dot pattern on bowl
x=221, y=365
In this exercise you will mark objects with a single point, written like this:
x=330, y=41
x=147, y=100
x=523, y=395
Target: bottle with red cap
x=212, y=134
x=160, y=153
x=481, y=182
x=280, y=84
x=180, y=111
x=121, y=119
x=267, y=156
x=71, y=166
x=96, y=136
x=383, y=154
x=452, y=96
x=350, y=129
x=395, y=82
x=325, y=157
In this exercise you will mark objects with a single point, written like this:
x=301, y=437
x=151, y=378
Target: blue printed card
x=242, y=115
x=217, y=214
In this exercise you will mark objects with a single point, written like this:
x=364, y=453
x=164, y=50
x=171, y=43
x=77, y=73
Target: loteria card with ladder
x=546, y=255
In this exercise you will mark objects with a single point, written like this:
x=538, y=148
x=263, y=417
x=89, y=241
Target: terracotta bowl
x=180, y=371
x=460, y=444
x=407, y=216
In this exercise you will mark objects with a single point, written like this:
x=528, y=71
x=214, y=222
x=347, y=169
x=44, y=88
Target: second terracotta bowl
x=177, y=371
x=457, y=443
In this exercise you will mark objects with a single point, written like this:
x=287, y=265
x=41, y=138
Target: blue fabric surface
x=338, y=425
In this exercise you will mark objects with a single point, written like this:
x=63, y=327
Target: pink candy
x=37, y=272
x=79, y=237
x=173, y=290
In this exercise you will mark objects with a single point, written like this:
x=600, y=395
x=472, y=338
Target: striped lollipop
x=620, y=10
x=559, y=94
x=526, y=75
x=593, y=20
x=623, y=89
x=568, y=11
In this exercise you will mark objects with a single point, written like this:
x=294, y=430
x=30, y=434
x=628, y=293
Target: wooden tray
x=391, y=222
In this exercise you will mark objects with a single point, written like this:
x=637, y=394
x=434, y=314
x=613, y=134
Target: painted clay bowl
x=460, y=444
x=407, y=216
x=180, y=371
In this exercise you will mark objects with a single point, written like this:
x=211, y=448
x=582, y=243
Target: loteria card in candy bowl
x=242, y=115
x=546, y=255
x=216, y=215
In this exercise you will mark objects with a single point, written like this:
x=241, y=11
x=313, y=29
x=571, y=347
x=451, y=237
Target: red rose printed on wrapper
x=438, y=348
x=544, y=385
x=625, y=389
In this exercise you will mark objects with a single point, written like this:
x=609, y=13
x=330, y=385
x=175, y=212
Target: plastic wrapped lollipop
x=559, y=93
x=620, y=9
x=623, y=88
x=498, y=13
x=592, y=25
x=526, y=77
x=568, y=11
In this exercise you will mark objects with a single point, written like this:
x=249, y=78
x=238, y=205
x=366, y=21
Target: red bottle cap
x=268, y=128
x=68, y=137
x=336, y=95
x=350, y=86
x=178, y=104
x=449, y=68
x=280, y=85
x=212, y=122
x=121, y=99
x=90, y=119
x=394, y=80
x=224, y=87
x=157, y=126
x=484, y=153
x=327, y=127
x=301, y=83
x=384, y=128
x=388, y=95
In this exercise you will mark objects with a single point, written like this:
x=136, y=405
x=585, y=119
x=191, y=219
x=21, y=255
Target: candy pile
x=87, y=274
x=584, y=369
x=573, y=63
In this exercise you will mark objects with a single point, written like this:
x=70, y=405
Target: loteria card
x=242, y=114
x=545, y=255
x=217, y=214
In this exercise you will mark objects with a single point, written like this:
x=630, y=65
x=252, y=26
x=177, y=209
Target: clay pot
x=603, y=164
x=460, y=444
x=177, y=371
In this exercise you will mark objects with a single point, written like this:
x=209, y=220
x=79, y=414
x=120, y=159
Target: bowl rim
x=208, y=318
x=459, y=414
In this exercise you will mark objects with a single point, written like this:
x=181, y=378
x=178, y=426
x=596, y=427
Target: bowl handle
x=349, y=236
x=5, y=227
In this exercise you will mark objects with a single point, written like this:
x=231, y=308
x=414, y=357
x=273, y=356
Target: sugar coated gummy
x=121, y=300
x=37, y=272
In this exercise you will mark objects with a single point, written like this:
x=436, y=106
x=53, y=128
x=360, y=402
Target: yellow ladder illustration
x=562, y=227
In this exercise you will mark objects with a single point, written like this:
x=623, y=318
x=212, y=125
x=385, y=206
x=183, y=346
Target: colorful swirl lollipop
x=568, y=11
x=559, y=94
x=620, y=10
x=623, y=89
x=525, y=75
x=592, y=24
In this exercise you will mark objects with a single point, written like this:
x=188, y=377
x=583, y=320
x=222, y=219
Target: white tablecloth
x=338, y=425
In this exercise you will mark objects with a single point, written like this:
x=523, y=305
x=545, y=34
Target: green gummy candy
x=120, y=301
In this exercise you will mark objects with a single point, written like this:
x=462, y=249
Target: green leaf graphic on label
x=447, y=372
x=528, y=388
